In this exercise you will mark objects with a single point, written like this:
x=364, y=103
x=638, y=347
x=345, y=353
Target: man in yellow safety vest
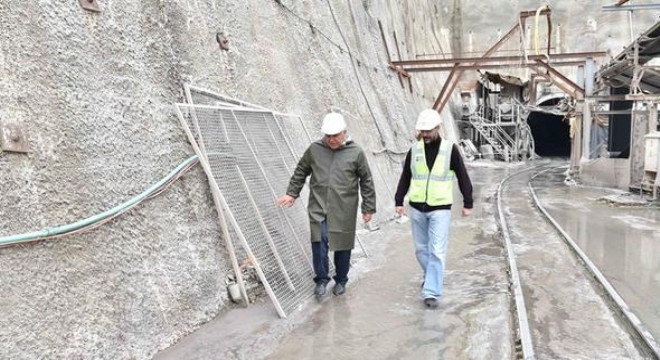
x=427, y=178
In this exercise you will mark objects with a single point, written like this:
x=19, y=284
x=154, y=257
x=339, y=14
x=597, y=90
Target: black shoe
x=431, y=303
x=339, y=289
x=319, y=290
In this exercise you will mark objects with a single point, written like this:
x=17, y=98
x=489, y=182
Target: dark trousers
x=320, y=257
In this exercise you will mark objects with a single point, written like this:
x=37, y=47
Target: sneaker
x=319, y=290
x=339, y=289
x=431, y=303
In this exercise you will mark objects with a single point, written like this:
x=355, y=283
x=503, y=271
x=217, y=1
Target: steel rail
x=525, y=337
x=640, y=332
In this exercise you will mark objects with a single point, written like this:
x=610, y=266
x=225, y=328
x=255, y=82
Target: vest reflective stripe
x=433, y=187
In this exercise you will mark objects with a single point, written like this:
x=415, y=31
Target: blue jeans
x=431, y=235
x=320, y=259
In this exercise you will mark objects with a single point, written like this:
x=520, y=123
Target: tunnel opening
x=551, y=132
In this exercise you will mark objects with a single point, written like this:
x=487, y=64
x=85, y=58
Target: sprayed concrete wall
x=94, y=93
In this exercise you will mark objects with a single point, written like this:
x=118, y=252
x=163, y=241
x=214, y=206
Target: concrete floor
x=381, y=316
x=622, y=241
x=563, y=302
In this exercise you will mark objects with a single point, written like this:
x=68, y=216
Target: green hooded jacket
x=336, y=177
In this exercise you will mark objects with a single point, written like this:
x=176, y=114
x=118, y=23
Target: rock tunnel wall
x=93, y=92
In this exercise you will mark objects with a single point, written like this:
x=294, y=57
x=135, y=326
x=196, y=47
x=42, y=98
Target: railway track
x=563, y=306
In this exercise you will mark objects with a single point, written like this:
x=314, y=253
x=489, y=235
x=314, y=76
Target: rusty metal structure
x=626, y=113
x=504, y=134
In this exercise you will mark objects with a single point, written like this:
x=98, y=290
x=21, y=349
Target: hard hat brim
x=425, y=128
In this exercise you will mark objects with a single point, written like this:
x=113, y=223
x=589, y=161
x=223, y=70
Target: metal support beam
x=399, y=71
x=535, y=79
x=444, y=87
x=382, y=34
x=631, y=7
x=526, y=14
x=627, y=97
x=653, y=118
x=496, y=59
x=445, y=100
x=613, y=112
x=492, y=66
x=398, y=51
x=576, y=142
x=561, y=86
x=444, y=95
x=586, y=131
x=561, y=76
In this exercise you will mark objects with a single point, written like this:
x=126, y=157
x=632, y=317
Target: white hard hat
x=427, y=120
x=333, y=123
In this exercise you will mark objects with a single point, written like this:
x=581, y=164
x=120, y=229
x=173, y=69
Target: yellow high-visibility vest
x=431, y=187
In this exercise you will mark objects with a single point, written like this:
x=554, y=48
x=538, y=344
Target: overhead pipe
x=537, y=37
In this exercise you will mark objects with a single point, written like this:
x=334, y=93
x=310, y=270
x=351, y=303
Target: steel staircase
x=502, y=143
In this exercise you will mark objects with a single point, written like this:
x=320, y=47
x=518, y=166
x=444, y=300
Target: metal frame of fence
x=247, y=151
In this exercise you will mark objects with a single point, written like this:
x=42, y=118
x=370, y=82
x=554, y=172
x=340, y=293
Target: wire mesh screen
x=288, y=130
x=290, y=136
x=250, y=163
x=278, y=161
x=241, y=254
x=295, y=136
x=294, y=131
x=199, y=96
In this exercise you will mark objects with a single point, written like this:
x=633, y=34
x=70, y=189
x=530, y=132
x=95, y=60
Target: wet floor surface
x=623, y=242
x=564, y=305
x=381, y=316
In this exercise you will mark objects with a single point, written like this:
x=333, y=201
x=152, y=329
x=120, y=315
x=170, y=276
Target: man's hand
x=366, y=217
x=400, y=210
x=286, y=201
x=467, y=212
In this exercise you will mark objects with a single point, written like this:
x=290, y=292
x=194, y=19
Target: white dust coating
x=94, y=93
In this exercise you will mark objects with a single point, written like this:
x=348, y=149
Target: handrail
x=498, y=137
x=495, y=135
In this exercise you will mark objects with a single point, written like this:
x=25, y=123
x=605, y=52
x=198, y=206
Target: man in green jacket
x=338, y=169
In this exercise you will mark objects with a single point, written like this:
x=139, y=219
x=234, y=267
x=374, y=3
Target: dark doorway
x=618, y=139
x=551, y=133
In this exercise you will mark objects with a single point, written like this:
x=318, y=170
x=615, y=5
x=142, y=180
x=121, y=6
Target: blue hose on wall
x=107, y=215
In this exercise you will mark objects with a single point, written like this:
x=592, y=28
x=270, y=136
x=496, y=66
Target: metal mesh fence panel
x=199, y=96
x=294, y=131
x=249, y=164
x=241, y=255
x=288, y=129
x=290, y=136
x=277, y=161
